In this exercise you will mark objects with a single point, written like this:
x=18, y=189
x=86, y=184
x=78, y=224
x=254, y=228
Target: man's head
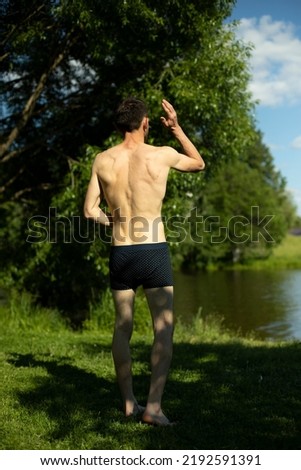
x=130, y=114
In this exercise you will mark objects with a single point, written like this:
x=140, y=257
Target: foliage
x=287, y=255
x=68, y=266
x=243, y=213
x=297, y=221
x=20, y=313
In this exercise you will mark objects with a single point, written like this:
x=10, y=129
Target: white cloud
x=275, y=62
x=296, y=144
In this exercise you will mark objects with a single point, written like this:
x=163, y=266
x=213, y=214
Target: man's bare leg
x=124, y=307
x=160, y=301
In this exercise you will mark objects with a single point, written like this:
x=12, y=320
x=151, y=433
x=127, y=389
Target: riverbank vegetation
x=58, y=387
x=286, y=255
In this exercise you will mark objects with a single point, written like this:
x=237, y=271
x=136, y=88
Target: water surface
x=267, y=302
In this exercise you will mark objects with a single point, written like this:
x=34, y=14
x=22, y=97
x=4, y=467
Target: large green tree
x=243, y=213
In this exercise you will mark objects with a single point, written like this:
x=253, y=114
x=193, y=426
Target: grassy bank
x=58, y=387
x=287, y=255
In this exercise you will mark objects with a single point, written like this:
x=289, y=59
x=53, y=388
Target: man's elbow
x=87, y=213
x=200, y=166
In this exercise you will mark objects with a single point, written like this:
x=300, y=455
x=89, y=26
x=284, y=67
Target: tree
x=67, y=64
x=245, y=211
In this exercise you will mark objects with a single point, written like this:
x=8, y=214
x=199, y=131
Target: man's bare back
x=132, y=178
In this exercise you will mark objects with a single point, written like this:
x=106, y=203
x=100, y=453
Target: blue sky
x=274, y=29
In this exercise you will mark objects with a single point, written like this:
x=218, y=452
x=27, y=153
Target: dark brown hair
x=129, y=115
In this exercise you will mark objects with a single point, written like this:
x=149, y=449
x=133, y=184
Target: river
x=265, y=302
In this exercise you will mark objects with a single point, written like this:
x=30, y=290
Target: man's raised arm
x=191, y=159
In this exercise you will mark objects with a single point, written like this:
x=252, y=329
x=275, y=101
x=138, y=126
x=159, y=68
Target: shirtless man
x=132, y=178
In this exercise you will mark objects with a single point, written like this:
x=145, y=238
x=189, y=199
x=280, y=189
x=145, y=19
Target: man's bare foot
x=136, y=410
x=156, y=419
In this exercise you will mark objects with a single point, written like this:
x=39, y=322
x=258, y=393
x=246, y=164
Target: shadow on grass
x=223, y=396
x=238, y=396
x=71, y=397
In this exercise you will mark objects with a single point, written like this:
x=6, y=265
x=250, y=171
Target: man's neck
x=135, y=137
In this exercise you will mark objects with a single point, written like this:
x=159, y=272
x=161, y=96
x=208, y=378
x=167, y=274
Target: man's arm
x=191, y=160
x=94, y=197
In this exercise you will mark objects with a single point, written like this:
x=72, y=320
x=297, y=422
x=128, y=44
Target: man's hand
x=171, y=120
x=190, y=160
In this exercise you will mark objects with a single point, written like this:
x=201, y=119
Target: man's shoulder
x=166, y=153
x=105, y=155
x=164, y=149
x=107, y=152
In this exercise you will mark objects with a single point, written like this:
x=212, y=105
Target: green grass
x=288, y=252
x=287, y=255
x=58, y=389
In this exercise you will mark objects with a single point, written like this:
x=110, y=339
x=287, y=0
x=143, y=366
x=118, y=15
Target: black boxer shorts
x=142, y=264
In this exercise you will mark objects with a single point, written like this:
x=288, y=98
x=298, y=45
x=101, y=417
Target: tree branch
x=31, y=102
x=16, y=26
x=11, y=181
x=16, y=153
x=43, y=186
x=3, y=57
